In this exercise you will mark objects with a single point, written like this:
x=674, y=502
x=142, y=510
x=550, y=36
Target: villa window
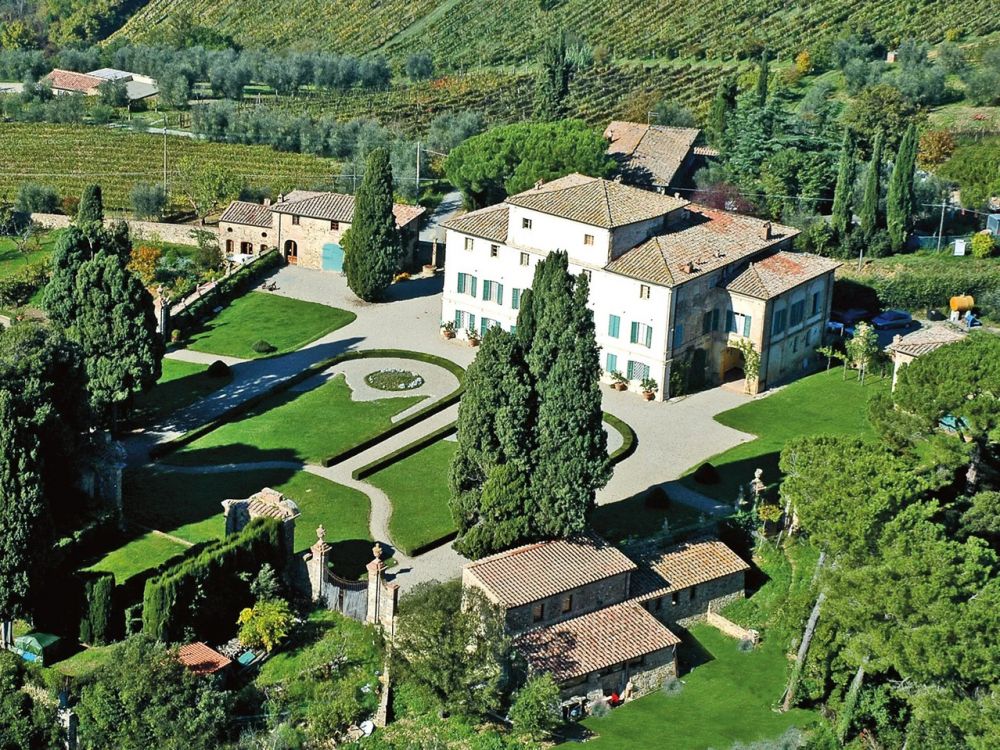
x=494, y=251
x=798, y=311
x=524, y=259
x=567, y=603
x=525, y=223
x=643, y=291
x=778, y=327
x=694, y=593
x=295, y=220
x=614, y=325
x=710, y=321
x=537, y=611
x=674, y=599
x=335, y=226
x=493, y=292
x=588, y=239
x=746, y=325
x=515, y=299
x=612, y=363
x=467, y=284
x=815, y=305
x=642, y=334
x=637, y=370
x=468, y=243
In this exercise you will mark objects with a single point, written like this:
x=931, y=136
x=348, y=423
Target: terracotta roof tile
x=489, y=223
x=201, y=659
x=650, y=153
x=596, y=202
x=685, y=565
x=926, y=340
x=595, y=641
x=68, y=80
x=777, y=273
x=336, y=207
x=244, y=212
x=708, y=239
x=536, y=571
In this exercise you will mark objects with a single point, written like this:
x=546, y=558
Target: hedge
x=234, y=412
x=229, y=287
x=406, y=451
x=630, y=441
x=201, y=597
x=914, y=286
x=98, y=606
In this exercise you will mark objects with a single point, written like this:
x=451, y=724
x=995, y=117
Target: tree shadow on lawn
x=643, y=515
x=166, y=398
x=737, y=473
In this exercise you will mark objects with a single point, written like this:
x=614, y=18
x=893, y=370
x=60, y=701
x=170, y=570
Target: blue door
x=333, y=257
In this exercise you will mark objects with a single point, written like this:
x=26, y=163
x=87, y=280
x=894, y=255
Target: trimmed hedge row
x=630, y=441
x=202, y=596
x=163, y=449
x=914, y=286
x=98, y=608
x=406, y=451
x=229, y=287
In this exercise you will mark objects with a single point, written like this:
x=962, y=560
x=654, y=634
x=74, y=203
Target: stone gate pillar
x=376, y=571
x=317, y=566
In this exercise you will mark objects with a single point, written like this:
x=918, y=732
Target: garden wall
x=176, y=233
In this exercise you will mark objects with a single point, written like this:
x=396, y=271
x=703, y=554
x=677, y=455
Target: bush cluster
x=913, y=287
x=17, y=288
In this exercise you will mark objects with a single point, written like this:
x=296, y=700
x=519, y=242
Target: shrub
x=35, y=198
x=148, y=201
x=672, y=685
x=707, y=474
x=657, y=498
x=175, y=335
x=218, y=369
x=420, y=66
x=264, y=347
x=17, y=288
x=143, y=262
x=95, y=625
x=535, y=710
x=265, y=625
x=914, y=287
x=983, y=245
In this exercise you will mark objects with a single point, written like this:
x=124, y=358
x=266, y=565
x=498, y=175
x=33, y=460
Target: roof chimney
x=765, y=231
x=267, y=202
x=688, y=267
x=677, y=195
x=539, y=184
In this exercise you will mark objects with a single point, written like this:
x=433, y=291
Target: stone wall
x=238, y=238
x=646, y=677
x=586, y=599
x=692, y=604
x=730, y=628
x=176, y=233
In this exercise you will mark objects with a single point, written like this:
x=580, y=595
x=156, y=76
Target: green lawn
x=634, y=517
x=84, y=663
x=418, y=489
x=180, y=385
x=821, y=404
x=11, y=259
x=726, y=699
x=142, y=553
x=189, y=507
x=296, y=426
x=287, y=324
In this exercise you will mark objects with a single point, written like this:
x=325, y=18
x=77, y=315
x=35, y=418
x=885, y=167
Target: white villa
x=672, y=284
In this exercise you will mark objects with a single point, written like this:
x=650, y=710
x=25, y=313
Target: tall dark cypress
x=762, y=81
x=91, y=206
x=372, y=245
x=899, y=200
x=552, y=81
x=844, y=191
x=870, y=220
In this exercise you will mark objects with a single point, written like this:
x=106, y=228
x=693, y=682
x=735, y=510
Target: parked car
x=849, y=317
x=892, y=319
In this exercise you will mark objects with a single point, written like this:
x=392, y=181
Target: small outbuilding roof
x=536, y=571
x=686, y=565
x=247, y=213
x=595, y=641
x=202, y=659
x=650, y=153
x=926, y=340
x=337, y=207
x=68, y=80
x=780, y=272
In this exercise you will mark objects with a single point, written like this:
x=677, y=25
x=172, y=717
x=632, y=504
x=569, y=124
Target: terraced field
x=69, y=157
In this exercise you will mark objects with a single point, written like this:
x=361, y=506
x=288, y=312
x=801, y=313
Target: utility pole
x=164, y=155
x=941, y=225
x=418, y=170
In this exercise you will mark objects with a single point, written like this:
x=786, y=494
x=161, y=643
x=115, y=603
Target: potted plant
x=649, y=388
x=473, y=337
x=618, y=381
x=448, y=329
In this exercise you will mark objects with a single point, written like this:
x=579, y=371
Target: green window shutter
x=461, y=283
x=499, y=294
x=473, y=282
x=730, y=321
x=706, y=322
x=472, y=322
x=486, y=289
x=513, y=329
x=612, y=363
x=715, y=319
x=746, y=326
x=484, y=325
x=458, y=319
x=634, y=338
x=515, y=299
x=649, y=337
x=614, y=326
x=678, y=335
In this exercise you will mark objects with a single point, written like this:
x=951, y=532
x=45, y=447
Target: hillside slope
x=471, y=33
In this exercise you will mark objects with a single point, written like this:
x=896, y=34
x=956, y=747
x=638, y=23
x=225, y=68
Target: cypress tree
x=762, y=76
x=91, y=208
x=718, y=113
x=372, y=245
x=899, y=199
x=841, y=216
x=869, y=205
x=116, y=328
x=552, y=81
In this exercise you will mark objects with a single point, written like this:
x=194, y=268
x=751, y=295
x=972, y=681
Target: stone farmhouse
x=651, y=156
x=598, y=621
x=672, y=284
x=89, y=84
x=307, y=227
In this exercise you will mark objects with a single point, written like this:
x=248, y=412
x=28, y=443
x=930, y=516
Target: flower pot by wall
x=648, y=395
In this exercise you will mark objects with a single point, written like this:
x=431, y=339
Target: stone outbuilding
x=905, y=349
x=267, y=503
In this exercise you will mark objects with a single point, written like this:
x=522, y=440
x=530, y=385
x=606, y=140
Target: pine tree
x=77, y=245
x=899, y=199
x=116, y=328
x=762, y=80
x=372, y=245
x=91, y=208
x=843, y=192
x=552, y=81
x=870, y=220
x=22, y=511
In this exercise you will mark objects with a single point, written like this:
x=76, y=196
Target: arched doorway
x=733, y=363
x=229, y=247
x=291, y=251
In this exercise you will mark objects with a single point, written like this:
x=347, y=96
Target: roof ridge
x=607, y=199
x=510, y=552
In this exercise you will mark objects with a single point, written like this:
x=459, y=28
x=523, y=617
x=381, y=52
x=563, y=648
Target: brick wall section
x=586, y=599
x=176, y=233
x=714, y=594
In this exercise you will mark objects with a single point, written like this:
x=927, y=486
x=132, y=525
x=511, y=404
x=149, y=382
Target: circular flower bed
x=389, y=379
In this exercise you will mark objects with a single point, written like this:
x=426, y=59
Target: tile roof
x=336, y=207
x=536, y=571
x=489, y=223
x=595, y=641
x=201, y=659
x=596, y=202
x=272, y=504
x=777, y=273
x=926, y=340
x=244, y=212
x=650, y=153
x=708, y=239
x=686, y=565
x=68, y=80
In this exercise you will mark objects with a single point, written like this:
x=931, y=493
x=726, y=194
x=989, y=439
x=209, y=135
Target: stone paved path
x=202, y=358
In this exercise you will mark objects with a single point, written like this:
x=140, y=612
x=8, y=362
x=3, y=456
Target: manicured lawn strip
x=630, y=441
x=180, y=385
x=418, y=488
x=142, y=553
x=295, y=426
x=821, y=404
x=725, y=700
x=288, y=324
x=383, y=462
x=86, y=662
x=163, y=449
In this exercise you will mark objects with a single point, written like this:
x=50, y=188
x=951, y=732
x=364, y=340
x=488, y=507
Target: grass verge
x=180, y=385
